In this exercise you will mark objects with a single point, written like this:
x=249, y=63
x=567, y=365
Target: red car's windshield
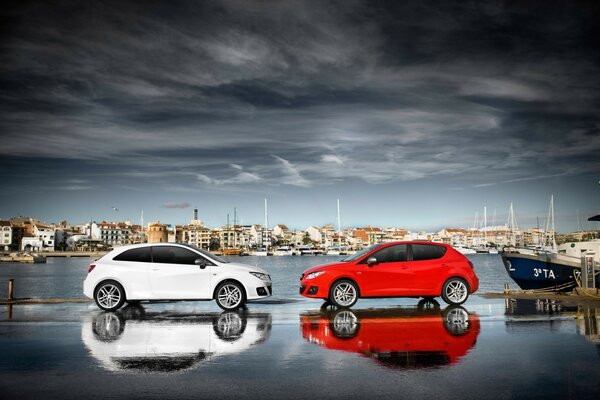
x=361, y=253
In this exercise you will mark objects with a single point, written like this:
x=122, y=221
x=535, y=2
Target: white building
x=5, y=235
x=45, y=233
x=31, y=244
x=314, y=233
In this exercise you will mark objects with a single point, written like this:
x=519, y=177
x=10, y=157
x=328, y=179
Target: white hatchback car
x=172, y=271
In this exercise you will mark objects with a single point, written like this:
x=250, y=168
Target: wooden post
x=506, y=290
x=11, y=286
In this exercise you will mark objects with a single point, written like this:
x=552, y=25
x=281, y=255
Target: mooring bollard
x=11, y=287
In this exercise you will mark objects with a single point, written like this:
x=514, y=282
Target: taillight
x=91, y=268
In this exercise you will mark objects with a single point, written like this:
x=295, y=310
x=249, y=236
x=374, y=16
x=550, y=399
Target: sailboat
x=548, y=266
x=263, y=250
x=337, y=249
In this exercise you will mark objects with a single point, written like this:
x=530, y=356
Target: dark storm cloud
x=198, y=94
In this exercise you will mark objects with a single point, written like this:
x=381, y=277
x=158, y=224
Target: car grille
x=302, y=289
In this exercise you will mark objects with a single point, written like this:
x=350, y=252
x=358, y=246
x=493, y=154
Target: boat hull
x=541, y=271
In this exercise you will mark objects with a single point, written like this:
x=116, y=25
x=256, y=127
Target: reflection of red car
x=395, y=269
x=399, y=338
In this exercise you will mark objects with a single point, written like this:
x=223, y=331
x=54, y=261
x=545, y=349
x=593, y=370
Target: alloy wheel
x=110, y=296
x=230, y=296
x=344, y=294
x=455, y=291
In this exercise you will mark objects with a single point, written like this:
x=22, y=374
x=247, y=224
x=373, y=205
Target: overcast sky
x=414, y=114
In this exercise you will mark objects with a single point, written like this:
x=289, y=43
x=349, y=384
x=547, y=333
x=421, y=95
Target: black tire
x=455, y=291
x=230, y=296
x=109, y=295
x=343, y=293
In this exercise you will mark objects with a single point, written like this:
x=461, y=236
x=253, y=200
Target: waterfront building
x=45, y=233
x=314, y=233
x=157, y=232
x=30, y=243
x=18, y=233
x=396, y=234
x=282, y=234
x=115, y=233
x=368, y=236
x=5, y=235
x=230, y=237
x=197, y=235
x=91, y=229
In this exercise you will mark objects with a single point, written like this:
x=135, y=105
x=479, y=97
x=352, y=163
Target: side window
x=427, y=252
x=141, y=254
x=391, y=254
x=173, y=255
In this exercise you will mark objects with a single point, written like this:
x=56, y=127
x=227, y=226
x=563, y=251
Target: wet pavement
x=287, y=347
x=497, y=349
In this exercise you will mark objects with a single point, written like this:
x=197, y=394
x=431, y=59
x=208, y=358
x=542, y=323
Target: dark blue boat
x=541, y=270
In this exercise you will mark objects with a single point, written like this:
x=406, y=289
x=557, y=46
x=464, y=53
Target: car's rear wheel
x=230, y=296
x=343, y=294
x=109, y=295
x=455, y=291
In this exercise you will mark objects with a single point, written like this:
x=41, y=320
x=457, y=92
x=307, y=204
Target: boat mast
x=512, y=225
x=339, y=221
x=485, y=226
x=550, y=238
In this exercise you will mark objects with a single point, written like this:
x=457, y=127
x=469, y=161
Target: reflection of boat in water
x=397, y=338
x=132, y=340
x=553, y=312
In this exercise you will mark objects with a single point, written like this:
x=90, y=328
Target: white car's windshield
x=361, y=253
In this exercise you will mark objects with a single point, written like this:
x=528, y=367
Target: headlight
x=262, y=277
x=313, y=275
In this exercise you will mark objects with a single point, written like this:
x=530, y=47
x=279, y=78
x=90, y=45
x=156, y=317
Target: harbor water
x=288, y=347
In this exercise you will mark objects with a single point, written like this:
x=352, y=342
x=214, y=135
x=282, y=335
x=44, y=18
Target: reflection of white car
x=172, y=271
x=170, y=342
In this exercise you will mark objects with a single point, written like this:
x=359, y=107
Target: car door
x=175, y=275
x=388, y=277
x=426, y=267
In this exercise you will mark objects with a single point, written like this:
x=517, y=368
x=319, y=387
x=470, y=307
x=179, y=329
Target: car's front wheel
x=455, y=291
x=230, y=296
x=109, y=295
x=343, y=294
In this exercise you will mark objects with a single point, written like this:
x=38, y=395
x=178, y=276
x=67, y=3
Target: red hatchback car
x=395, y=269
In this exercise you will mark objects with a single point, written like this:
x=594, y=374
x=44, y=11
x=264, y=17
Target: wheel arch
x=214, y=295
x=110, y=280
x=344, y=278
x=452, y=276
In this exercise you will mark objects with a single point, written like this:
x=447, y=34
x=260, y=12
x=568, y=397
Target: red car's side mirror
x=371, y=261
